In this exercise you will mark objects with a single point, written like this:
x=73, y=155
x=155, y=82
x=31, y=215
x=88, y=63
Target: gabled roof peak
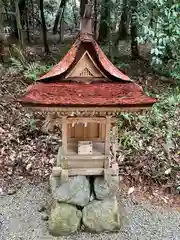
x=85, y=42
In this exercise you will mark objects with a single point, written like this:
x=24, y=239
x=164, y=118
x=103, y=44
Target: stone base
x=64, y=219
x=83, y=203
x=100, y=216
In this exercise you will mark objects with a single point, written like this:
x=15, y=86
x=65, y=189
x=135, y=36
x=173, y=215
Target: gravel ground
x=20, y=219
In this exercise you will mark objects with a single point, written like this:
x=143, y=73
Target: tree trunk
x=22, y=9
x=5, y=5
x=59, y=14
x=123, y=26
x=104, y=28
x=18, y=24
x=134, y=43
x=44, y=30
x=32, y=18
x=95, y=18
x=57, y=19
x=61, y=26
x=2, y=35
x=75, y=15
x=27, y=25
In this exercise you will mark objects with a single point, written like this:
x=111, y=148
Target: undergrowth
x=19, y=64
x=150, y=143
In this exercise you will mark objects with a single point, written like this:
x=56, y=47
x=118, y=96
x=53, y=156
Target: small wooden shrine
x=85, y=92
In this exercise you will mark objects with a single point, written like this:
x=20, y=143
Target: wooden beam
x=86, y=119
x=56, y=171
x=88, y=111
x=70, y=120
x=75, y=163
x=88, y=157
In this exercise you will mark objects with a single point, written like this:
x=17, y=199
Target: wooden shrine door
x=91, y=131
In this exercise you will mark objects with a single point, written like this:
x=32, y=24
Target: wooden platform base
x=58, y=172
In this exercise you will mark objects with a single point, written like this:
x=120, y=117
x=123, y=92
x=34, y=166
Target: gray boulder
x=104, y=189
x=64, y=219
x=99, y=216
x=76, y=191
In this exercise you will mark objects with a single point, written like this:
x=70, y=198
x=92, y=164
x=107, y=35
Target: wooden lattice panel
x=81, y=132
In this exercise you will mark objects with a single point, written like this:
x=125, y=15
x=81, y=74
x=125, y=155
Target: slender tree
x=104, y=28
x=27, y=24
x=32, y=16
x=134, y=43
x=43, y=24
x=59, y=16
x=2, y=36
x=61, y=26
x=22, y=10
x=75, y=15
x=18, y=24
x=59, y=20
x=5, y=6
x=123, y=25
x=95, y=18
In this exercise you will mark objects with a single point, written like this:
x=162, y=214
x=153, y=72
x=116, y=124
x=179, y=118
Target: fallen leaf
x=2, y=130
x=131, y=190
x=28, y=167
x=168, y=171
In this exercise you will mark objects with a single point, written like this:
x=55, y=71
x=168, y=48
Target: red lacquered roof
x=80, y=94
x=64, y=64
x=53, y=90
x=107, y=64
x=72, y=56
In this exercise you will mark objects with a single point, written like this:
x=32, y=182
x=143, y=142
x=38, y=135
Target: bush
x=159, y=25
x=150, y=143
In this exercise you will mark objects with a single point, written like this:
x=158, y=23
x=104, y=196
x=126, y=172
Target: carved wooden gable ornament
x=86, y=68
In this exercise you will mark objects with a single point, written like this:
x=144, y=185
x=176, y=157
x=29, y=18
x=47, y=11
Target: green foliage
x=154, y=137
x=32, y=124
x=159, y=24
x=34, y=70
x=19, y=64
x=16, y=65
x=128, y=141
x=122, y=65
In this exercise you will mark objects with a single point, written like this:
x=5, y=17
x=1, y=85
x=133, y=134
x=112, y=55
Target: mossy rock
x=102, y=216
x=103, y=189
x=64, y=219
x=75, y=191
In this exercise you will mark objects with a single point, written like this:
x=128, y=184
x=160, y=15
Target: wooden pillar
x=114, y=142
x=64, y=163
x=64, y=135
x=107, y=135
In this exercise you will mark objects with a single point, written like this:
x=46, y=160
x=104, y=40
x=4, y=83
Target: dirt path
x=20, y=219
